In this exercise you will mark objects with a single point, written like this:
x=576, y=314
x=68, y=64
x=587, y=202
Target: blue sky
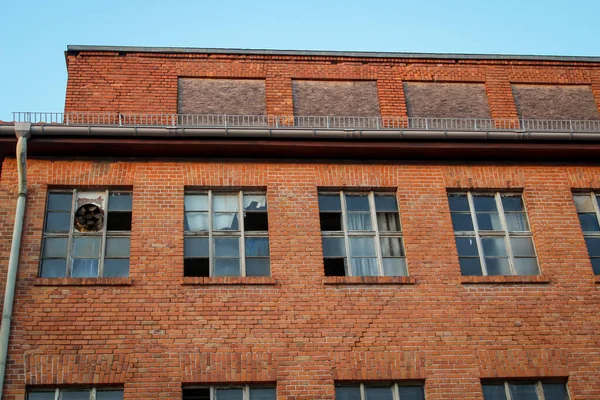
x=34, y=34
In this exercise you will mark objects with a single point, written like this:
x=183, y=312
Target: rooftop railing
x=305, y=122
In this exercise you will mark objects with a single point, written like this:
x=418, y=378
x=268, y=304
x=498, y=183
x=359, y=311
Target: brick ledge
x=229, y=280
x=505, y=279
x=83, y=282
x=369, y=280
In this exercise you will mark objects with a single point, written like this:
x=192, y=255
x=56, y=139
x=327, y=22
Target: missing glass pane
x=331, y=221
x=196, y=267
x=256, y=221
x=335, y=266
x=119, y=221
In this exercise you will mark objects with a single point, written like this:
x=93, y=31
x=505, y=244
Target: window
x=86, y=234
x=230, y=393
x=589, y=217
x=218, y=242
x=394, y=391
x=361, y=234
x=525, y=390
x=492, y=234
x=75, y=394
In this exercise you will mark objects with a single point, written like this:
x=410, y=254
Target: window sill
x=229, y=280
x=369, y=280
x=505, y=279
x=83, y=282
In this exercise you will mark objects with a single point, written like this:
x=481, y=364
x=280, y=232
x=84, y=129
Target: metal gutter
x=326, y=53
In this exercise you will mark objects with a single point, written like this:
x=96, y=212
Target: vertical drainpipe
x=22, y=130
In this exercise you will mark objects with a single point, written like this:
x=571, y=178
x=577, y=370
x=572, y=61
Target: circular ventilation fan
x=88, y=218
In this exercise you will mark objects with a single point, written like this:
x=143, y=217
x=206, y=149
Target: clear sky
x=35, y=34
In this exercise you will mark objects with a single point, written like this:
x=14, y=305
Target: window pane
x=392, y=247
x=226, y=222
x=196, y=394
x=362, y=247
x=470, y=266
x=523, y=391
x=380, y=393
x=255, y=202
x=388, y=222
x=485, y=204
x=467, y=246
x=227, y=267
x=493, y=247
x=512, y=203
x=60, y=201
x=555, y=391
x=110, y=395
x=86, y=247
x=394, y=267
x=458, y=202
x=584, y=203
x=85, y=268
x=262, y=394
x=55, y=247
x=522, y=247
x=196, y=267
x=258, y=267
x=196, y=221
x=335, y=266
x=364, y=266
x=488, y=222
x=516, y=222
x=116, y=267
x=195, y=247
x=53, y=268
x=411, y=393
x=462, y=222
x=75, y=395
x=256, y=221
x=497, y=266
x=229, y=394
x=196, y=202
x=526, y=266
x=58, y=222
x=385, y=203
x=119, y=202
x=257, y=247
x=225, y=202
x=589, y=222
x=347, y=393
x=119, y=221
x=117, y=247
x=329, y=202
x=357, y=203
x=333, y=247
x=593, y=246
x=331, y=221
x=227, y=247
x=596, y=265
x=494, y=392
x=41, y=396
x=359, y=222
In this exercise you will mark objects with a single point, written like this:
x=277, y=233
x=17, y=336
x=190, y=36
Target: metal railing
x=306, y=122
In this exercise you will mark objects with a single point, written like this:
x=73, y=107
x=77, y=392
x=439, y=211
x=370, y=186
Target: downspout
x=22, y=131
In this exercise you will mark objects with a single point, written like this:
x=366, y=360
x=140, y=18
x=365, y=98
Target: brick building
x=231, y=224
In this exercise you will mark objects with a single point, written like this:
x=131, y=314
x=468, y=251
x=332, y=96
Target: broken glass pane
x=335, y=266
x=331, y=221
x=196, y=267
x=255, y=202
x=256, y=221
x=119, y=221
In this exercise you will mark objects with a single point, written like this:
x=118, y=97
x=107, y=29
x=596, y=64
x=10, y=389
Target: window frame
x=245, y=389
x=504, y=233
x=393, y=385
x=59, y=391
x=539, y=386
x=241, y=233
x=589, y=234
x=374, y=233
x=72, y=234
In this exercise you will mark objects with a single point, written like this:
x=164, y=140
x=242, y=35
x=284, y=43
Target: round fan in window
x=89, y=218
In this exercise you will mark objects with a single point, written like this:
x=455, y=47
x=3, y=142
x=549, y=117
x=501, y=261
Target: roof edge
x=327, y=53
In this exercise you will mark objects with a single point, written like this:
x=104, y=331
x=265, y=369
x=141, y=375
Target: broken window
x=87, y=234
x=361, y=234
x=492, y=234
x=246, y=392
x=379, y=391
x=588, y=210
x=525, y=390
x=76, y=394
x=226, y=234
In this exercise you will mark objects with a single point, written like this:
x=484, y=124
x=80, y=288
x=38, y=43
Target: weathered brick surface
x=155, y=332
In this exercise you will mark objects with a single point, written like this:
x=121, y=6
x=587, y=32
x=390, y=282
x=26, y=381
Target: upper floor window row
x=75, y=394
x=588, y=211
x=246, y=392
x=525, y=390
x=379, y=391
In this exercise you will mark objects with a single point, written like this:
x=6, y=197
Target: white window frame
x=245, y=389
x=72, y=234
x=538, y=386
x=374, y=233
x=504, y=233
x=394, y=386
x=58, y=391
x=241, y=234
x=590, y=234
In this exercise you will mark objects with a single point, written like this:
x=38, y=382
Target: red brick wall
x=147, y=82
x=153, y=332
